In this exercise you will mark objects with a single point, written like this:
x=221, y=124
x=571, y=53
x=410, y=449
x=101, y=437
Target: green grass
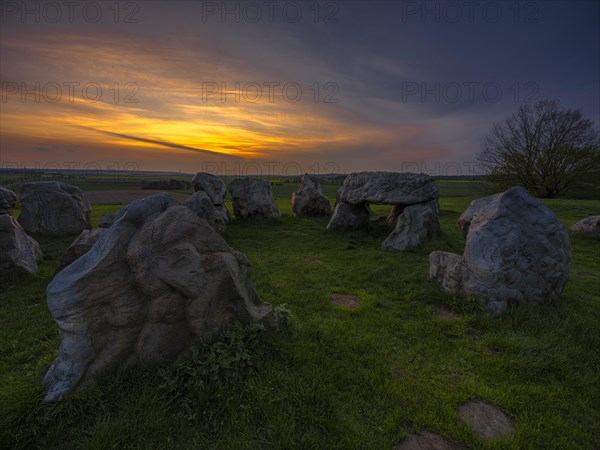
x=336, y=378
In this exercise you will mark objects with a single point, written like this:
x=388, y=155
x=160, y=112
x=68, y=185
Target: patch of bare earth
x=125, y=197
x=487, y=420
x=313, y=261
x=426, y=440
x=444, y=313
x=349, y=301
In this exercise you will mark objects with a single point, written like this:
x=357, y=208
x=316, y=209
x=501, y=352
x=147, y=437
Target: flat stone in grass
x=487, y=420
x=589, y=226
x=444, y=313
x=426, y=440
x=350, y=301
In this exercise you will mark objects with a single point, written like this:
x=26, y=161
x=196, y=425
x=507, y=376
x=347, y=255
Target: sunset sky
x=283, y=86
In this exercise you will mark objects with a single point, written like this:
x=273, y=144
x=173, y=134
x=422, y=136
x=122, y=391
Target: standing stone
x=19, y=253
x=349, y=217
x=8, y=201
x=53, y=208
x=516, y=249
x=215, y=189
x=309, y=200
x=253, y=199
x=415, y=213
x=158, y=281
x=589, y=226
x=413, y=225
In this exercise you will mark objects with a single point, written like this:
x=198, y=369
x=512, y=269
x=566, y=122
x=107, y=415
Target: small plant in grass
x=210, y=368
x=284, y=313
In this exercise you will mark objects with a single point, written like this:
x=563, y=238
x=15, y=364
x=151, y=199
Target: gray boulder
x=201, y=204
x=19, y=253
x=388, y=188
x=415, y=215
x=215, y=189
x=253, y=199
x=309, y=200
x=349, y=217
x=107, y=220
x=212, y=185
x=8, y=201
x=516, y=249
x=156, y=282
x=79, y=247
x=412, y=225
x=589, y=226
x=53, y=208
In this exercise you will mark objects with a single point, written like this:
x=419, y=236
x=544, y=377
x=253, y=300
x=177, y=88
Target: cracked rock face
x=253, y=199
x=154, y=283
x=387, y=188
x=309, y=200
x=413, y=225
x=201, y=204
x=516, y=249
x=415, y=215
x=215, y=189
x=8, y=201
x=19, y=253
x=54, y=208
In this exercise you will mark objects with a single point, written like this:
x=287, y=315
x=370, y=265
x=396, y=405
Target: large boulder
x=8, y=201
x=201, y=204
x=79, y=247
x=516, y=249
x=19, y=253
x=215, y=189
x=349, y=217
x=415, y=213
x=412, y=225
x=156, y=282
x=53, y=208
x=253, y=199
x=589, y=226
x=309, y=200
x=388, y=188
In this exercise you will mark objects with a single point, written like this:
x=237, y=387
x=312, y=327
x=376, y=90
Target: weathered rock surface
x=388, y=188
x=516, y=249
x=8, y=201
x=414, y=217
x=79, y=247
x=589, y=226
x=53, y=208
x=349, y=217
x=201, y=204
x=158, y=280
x=309, y=200
x=487, y=420
x=19, y=253
x=212, y=185
x=413, y=225
x=253, y=199
x=215, y=189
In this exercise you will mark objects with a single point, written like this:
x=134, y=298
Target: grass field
x=335, y=378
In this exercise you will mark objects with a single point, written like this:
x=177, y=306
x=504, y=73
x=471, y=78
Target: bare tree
x=542, y=147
